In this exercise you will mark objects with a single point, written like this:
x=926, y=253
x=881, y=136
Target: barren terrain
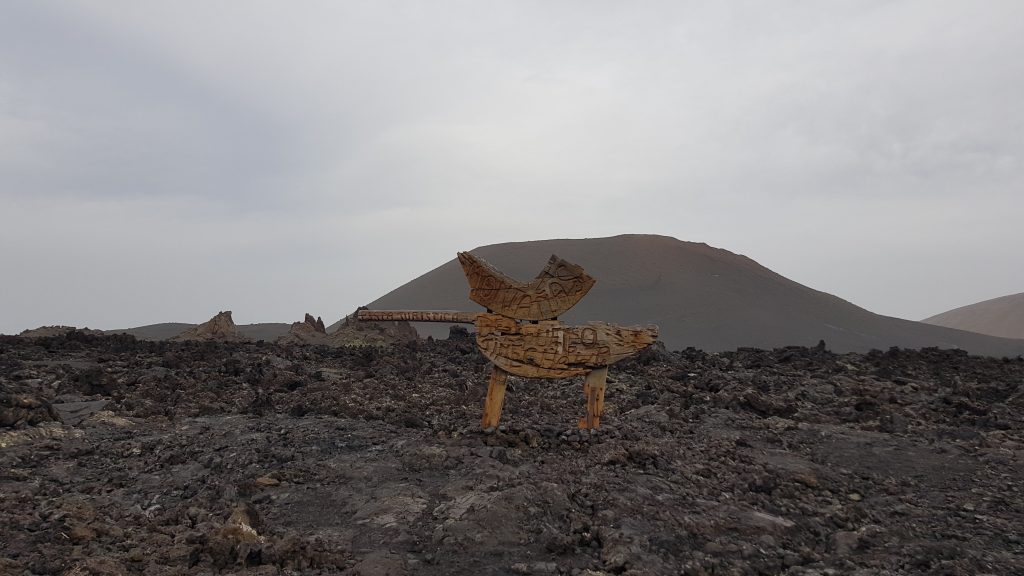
x=126, y=457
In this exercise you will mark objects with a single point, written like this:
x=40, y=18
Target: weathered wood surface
x=551, y=349
x=554, y=291
x=593, y=391
x=495, y=398
x=417, y=316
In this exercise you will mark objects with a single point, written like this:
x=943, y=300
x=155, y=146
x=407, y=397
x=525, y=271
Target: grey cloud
x=256, y=144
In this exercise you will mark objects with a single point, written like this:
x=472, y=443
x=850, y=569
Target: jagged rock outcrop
x=319, y=325
x=220, y=328
x=310, y=331
x=352, y=332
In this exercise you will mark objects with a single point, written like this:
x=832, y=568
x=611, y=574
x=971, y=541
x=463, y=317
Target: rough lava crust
x=120, y=456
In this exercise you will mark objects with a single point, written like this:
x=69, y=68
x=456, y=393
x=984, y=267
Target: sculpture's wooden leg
x=593, y=390
x=495, y=398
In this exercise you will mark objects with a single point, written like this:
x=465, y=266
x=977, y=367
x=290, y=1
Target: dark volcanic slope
x=700, y=296
x=997, y=317
x=245, y=458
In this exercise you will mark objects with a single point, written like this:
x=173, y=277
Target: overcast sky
x=163, y=161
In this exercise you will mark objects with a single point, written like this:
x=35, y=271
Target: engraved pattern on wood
x=488, y=324
x=593, y=390
x=417, y=316
x=551, y=349
x=495, y=398
x=555, y=290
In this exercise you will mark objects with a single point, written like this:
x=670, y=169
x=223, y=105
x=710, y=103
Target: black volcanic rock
x=240, y=457
x=47, y=331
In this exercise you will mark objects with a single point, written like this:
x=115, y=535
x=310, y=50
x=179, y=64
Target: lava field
x=120, y=456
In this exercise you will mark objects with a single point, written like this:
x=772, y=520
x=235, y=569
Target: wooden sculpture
x=521, y=335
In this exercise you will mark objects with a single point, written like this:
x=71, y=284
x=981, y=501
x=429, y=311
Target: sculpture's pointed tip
x=468, y=259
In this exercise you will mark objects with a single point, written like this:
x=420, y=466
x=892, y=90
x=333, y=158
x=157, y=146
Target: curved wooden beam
x=450, y=316
x=558, y=287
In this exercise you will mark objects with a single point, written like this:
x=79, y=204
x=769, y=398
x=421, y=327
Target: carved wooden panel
x=488, y=324
x=416, y=316
x=551, y=349
x=555, y=290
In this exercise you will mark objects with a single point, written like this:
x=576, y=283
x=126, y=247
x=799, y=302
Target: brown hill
x=220, y=328
x=700, y=296
x=1002, y=317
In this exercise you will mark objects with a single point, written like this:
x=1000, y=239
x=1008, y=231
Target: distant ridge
x=1003, y=316
x=268, y=331
x=700, y=296
x=154, y=331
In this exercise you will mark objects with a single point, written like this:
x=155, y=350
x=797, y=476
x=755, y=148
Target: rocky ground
x=125, y=457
